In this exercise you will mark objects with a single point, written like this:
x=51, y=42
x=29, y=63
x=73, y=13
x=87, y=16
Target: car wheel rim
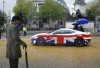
x=40, y=41
x=79, y=42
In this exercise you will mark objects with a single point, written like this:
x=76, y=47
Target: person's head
x=78, y=10
x=16, y=19
x=81, y=26
x=76, y=25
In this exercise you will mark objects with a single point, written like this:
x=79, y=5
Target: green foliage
x=52, y=11
x=95, y=8
x=25, y=9
x=3, y=18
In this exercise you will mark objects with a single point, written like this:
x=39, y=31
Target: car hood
x=36, y=35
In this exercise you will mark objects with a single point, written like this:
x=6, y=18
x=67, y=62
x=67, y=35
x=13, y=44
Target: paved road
x=56, y=56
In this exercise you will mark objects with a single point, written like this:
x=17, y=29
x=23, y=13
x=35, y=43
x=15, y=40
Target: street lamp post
x=3, y=5
x=3, y=12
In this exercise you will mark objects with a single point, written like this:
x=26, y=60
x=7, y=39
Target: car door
x=63, y=36
x=59, y=37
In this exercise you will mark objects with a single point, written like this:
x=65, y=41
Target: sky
x=9, y=4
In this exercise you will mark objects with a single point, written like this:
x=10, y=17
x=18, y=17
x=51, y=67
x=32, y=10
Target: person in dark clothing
x=0, y=33
x=81, y=28
x=76, y=27
x=13, y=50
x=1, y=30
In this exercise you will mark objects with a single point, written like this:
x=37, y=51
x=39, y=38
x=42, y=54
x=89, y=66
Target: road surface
x=56, y=56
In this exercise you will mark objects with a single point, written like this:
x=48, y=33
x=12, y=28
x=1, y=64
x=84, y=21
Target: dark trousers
x=24, y=33
x=0, y=35
x=13, y=63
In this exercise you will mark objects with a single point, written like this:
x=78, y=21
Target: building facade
x=37, y=24
x=38, y=4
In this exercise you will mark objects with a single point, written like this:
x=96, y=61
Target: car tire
x=79, y=42
x=40, y=41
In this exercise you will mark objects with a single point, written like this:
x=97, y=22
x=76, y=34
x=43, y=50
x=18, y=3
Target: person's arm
x=16, y=37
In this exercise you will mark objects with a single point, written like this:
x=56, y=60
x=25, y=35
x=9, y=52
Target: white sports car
x=62, y=36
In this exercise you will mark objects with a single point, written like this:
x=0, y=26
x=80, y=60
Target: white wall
x=89, y=25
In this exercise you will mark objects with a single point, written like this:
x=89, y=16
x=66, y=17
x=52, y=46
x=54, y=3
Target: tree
x=53, y=11
x=25, y=9
x=94, y=8
x=3, y=18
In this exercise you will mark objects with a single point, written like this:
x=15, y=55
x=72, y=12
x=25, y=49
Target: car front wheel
x=40, y=41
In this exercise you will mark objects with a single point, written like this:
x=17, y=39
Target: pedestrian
x=76, y=27
x=81, y=28
x=0, y=33
x=24, y=30
x=13, y=50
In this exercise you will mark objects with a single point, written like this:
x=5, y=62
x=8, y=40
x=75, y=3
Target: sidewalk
x=30, y=33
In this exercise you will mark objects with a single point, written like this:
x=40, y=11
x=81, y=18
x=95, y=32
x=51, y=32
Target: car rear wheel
x=40, y=41
x=79, y=42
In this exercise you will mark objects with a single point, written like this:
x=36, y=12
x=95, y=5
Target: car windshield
x=63, y=32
